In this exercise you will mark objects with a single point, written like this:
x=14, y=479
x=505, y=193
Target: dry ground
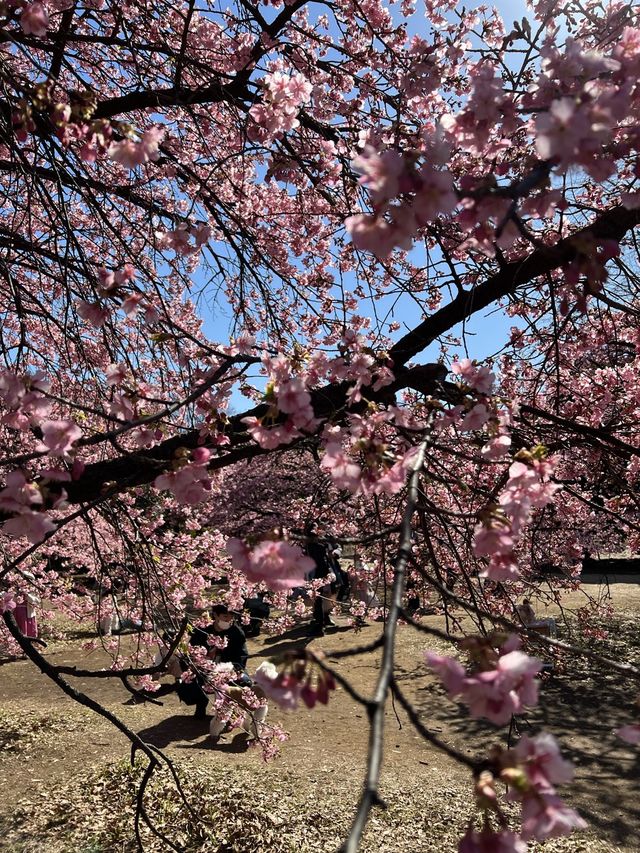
x=59, y=795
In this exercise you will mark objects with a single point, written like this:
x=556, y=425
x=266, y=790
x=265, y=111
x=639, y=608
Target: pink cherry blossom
x=435, y=195
x=19, y=495
x=507, y=690
x=489, y=541
x=280, y=565
x=283, y=689
x=201, y=455
x=478, y=377
x=7, y=602
x=547, y=816
x=450, y=671
x=116, y=374
x=542, y=761
x=488, y=841
x=132, y=154
x=92, y=312
x=561, y=130
x=190, y=484
x=497, y=693
x=496, y=448
x=345, y=473
x=131, y=305
x=476, y=418
x=58, y=437
x=631, y=734
x=34, y=19
x=33, y=526
x=381, y=173
x=372, y=234
x=630, y=200
x=12, y=389
x=270, y=437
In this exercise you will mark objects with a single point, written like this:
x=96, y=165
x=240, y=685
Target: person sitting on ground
x=527, y=615
x=254, y=715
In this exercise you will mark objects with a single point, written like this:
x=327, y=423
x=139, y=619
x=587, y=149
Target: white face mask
x=224, y=624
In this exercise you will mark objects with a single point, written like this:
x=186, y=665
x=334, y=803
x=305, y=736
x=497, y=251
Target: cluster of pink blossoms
x=529, y=487
x=179, y=239
x=24, y=398
x=189, y=483
x=130, y=153
x=582, y=109
x=488, y=841
x=531, y=770
x=278, y=111
x=7, y=602
x=288, y=395
x=34, y=19
x=280, y=565
x=359, y=459
x=20, y=497
x=297, y=682
x=478, y=379
x=387, y=175
x=587, y=272
x=111, y=284
x=539, y=768
x=503, y=685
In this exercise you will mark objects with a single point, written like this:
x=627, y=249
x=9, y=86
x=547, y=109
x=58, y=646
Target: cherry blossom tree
x=238, y=251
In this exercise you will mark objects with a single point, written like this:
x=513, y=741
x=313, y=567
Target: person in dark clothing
x=235, y=652
x=342, y=582
x=319, y=551
x=258, y=611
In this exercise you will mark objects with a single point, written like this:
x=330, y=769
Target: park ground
x=67, y=786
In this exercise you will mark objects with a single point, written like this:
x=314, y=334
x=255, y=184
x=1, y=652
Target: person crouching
x=232, y=651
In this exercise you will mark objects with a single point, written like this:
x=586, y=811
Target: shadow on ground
x=178, y=728
x=582, y=708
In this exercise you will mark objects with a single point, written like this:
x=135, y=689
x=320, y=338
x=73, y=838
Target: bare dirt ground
x=56, y=795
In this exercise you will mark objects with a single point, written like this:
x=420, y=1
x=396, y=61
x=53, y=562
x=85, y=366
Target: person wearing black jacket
x=235, y=652
x=319, y=551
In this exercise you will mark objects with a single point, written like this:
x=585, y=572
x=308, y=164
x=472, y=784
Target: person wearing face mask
x=234, y=652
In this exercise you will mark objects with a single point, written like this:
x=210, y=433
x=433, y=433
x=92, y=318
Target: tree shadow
x=581, y=708
x=239, y=744
x=296, y=638
x=299, y=632
x=179, y=727
x=82, y=634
